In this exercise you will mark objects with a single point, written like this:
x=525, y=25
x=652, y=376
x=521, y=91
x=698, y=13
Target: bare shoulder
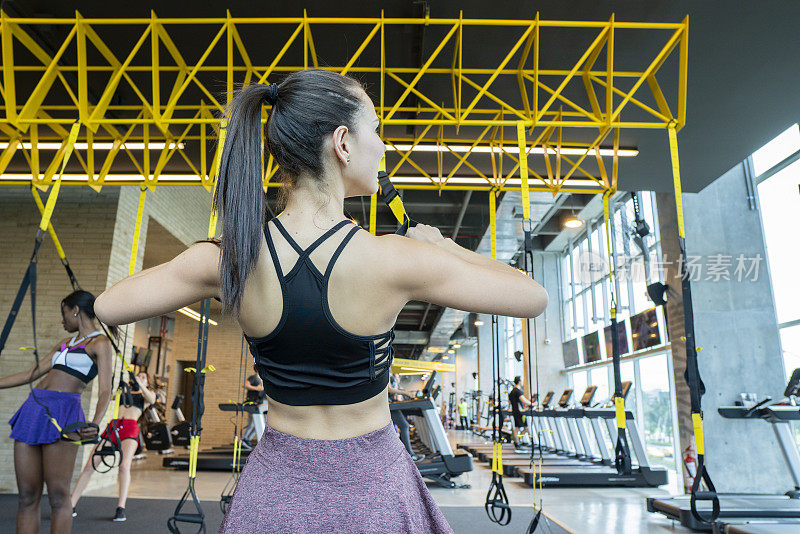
x=202, y=258
x=99, y=344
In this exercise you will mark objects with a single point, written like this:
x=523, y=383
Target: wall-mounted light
x=478, y=323
x=457, y=346
x=451, y=351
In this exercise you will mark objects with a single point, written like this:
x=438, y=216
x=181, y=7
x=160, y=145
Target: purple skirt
x=31, y=424
x=365, y=484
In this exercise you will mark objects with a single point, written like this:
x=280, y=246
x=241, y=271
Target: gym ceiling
x=741, y=90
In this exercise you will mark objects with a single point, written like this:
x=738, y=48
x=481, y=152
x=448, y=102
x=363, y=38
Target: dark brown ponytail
x=308, y=105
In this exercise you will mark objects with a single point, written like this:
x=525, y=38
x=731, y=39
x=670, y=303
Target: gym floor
x=579, y=510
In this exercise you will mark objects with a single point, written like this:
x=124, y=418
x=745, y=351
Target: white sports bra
x=74, y=360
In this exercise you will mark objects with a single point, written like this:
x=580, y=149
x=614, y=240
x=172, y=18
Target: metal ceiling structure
x=148, y=94
x=176, y=109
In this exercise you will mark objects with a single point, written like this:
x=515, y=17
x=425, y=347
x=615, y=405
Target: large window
x=776, y=167
x=583, y=271
x=778, y=171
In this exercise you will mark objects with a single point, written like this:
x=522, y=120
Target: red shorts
x=126, y=429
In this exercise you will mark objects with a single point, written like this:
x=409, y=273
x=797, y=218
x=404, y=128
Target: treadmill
x=574, y=417
x=219, y=458
x=591, y=474
x=742, y=511
x=442, y=465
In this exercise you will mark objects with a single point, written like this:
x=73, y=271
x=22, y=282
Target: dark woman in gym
x=317, y=298
x=40, y=455
x=127, y=429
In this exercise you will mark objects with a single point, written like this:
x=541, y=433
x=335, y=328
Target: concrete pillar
x=735, y=325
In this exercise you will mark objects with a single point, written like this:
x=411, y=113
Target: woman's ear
x=341, y=144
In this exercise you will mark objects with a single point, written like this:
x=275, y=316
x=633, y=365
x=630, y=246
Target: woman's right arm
x=439, y=271
x=34, y=373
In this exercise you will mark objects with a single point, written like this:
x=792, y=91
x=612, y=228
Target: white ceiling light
x=483, y=149
x=45, y=145
x=188, y=312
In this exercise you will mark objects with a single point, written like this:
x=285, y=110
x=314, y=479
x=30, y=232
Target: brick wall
x=222, y=385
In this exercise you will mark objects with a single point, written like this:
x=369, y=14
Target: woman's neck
x=322, y=207
x=86, y=327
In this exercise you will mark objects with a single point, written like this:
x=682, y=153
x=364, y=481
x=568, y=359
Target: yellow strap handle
x=523, y=169
x=676, y=175
x=137, y=229
x=699, y=440
x=51, y=199
x=373, y=214
x=223, y=128
x=206, y=369
x=619, y=404
x=115, y=412
x=194, y=446
x=50, y=229
x=493, y=223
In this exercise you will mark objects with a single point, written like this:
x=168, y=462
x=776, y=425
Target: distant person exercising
x=127, y=430
x=462, y=413
x=399, y=419
x=516, y=398
x=254, y=388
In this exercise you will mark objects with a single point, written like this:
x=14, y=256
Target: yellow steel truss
x=475, y=116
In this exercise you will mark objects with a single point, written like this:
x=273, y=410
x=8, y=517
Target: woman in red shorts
x=128, y=431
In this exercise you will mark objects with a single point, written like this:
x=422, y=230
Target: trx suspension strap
x=692, y=373
x=29, y=280
x=496, y=504
x=198, y=407
x=238, y=423
x=539, y=520
x=622, y=453
x=392, y=199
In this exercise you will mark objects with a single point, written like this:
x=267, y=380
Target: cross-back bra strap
x=325, y=236
x=289, y=239
x=272, y=251
x=339, y=250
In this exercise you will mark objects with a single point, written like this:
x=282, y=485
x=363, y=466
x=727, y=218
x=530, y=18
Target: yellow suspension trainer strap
x=238, y=427
x=29, y=279
x=109, y=453
x=198, y=408
x=692, y=373
x=392, y=199
x=539, y=523
x=496, y=505
x=622, y=452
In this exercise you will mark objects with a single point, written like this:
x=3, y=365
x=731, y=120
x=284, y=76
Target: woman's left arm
x=104, y=354
x=190, y=277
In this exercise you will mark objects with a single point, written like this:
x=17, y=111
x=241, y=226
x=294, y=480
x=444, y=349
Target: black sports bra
x=309, y=359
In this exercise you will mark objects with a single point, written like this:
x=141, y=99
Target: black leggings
x=464, y=422
x=400, y=420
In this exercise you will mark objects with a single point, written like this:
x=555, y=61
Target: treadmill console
x=588, y=395
x=548, y=398
x=427, y=390
x=565, y=397
x=793, y=387
x=626, y=387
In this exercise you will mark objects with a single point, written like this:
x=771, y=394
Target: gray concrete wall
x=548, y=337
x=736, y=327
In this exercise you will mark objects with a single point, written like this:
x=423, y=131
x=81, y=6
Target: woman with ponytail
x=317, y=297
